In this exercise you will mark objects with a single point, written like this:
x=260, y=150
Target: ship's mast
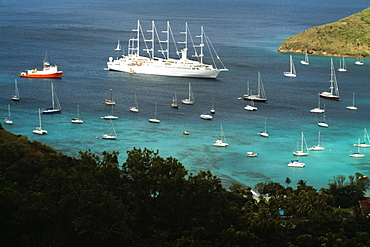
x=167, y=41
x=185, y=49
x=133, y=44
x=150, y=50
x=201, y=45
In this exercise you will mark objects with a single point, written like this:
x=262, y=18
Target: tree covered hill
x=347, y=37
x=50, y=199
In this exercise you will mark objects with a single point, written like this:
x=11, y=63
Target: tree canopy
x=50, y=199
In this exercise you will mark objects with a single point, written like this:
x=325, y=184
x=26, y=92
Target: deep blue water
x=80, y=36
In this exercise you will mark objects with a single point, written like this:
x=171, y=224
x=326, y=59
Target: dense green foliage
x=347, y=37
x=50, y=199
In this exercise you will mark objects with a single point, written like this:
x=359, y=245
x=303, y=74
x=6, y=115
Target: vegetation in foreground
x=348, y=37
x=50, y=199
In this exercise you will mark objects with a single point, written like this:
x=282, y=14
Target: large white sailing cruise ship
x=133, y=62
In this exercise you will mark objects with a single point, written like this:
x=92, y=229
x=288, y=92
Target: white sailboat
x=112, y=135
x=135, y=107
x=296, y=163
x=366, y=142
x=323, y=123
x=110, y=101
x=291, y=72
x=77, y=120
x=352, y=107
x=174, y=102
x=357, y=154
x=55, y=105
x=16, y=97
x=7, y=119
x=206, y=116
x=305, y=61
x=155, y=119
x=261, y=94
x=118, y=48
x=342, y=66
x=317, y=147
x=334, y=91
x=163, y=65
x=360, y=61
x=264, y=133
x=222, y=142
x=317, y=109
x=250, y=107
x=251, y=153
x=190, y=100
x=111, y=116
x=39, y=129
x=186, y=132
x=302, y=152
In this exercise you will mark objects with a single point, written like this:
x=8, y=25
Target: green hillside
x=348, y=37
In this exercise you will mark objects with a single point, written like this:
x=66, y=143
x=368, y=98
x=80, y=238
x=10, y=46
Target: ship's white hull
x=171, y=67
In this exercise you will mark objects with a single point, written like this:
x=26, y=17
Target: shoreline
x=317, y=53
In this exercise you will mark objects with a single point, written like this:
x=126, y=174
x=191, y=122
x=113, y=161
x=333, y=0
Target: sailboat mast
x=155, y=110
x=302, y=142
x=52, y=95
x=40, y=118
x=353, y=100
x=259, y=85
x=331, y=76
x=189, y=91
x=265, y=125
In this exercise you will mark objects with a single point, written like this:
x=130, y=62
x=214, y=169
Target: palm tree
x=287, y=181
x=302, y=183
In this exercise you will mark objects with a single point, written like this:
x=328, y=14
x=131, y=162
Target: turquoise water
x=80, y=40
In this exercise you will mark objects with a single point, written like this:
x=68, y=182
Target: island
x=348, y=37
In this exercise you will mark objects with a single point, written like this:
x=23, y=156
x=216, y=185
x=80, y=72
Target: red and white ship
x=49, y=71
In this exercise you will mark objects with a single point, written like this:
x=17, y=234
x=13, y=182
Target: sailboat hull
x=154, y=120
x=109, y=137
x=316, y=148
x=77, y=121
x=357, y=155
x=219, y=143
x=288, y=74
x=187, y=102
x=328, y=95
x=300, y=153
x=254, y=98
x=317, y=110
x=134, y=109
x=8, y=121
x=51, y=111
x=39, y=131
